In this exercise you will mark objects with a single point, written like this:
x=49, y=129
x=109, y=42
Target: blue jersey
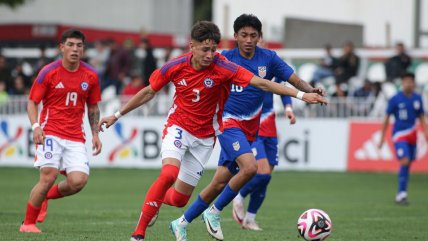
x=267, y=120
x=244, y=106
x=406, y=109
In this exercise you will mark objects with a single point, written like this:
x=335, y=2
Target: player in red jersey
x=65, y=87
x=202, y=79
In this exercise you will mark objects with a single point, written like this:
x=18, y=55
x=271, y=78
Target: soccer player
x=202, y=79
x=406, y=107
x=241, y=121
x=265, y=150
x=65, y=87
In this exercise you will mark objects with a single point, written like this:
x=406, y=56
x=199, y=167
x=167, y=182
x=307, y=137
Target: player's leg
x=265, y=167
x=404, y=155
x=238, y=209
x=208, y=194
x=47, y=160
x=174, y=146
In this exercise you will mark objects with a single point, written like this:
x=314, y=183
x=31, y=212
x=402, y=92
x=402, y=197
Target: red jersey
x=200, y=94
x=64, y=95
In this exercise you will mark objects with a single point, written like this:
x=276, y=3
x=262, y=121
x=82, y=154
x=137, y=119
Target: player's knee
x=405, y=162
x=48, y=180
x=249, y=170
x=76, y=185
x=169, y=174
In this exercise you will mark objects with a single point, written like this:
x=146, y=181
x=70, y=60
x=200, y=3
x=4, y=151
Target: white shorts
x=192, y=152
x=62, y=154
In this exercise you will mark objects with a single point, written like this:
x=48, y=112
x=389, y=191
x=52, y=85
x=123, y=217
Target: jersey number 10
x=71, y=97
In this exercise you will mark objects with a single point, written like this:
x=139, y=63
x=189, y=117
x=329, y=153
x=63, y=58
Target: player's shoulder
x=48, y=69
x=228, y=53
x=88, y=68
x=223, y=63
x=175, y=62
x=268, y=53
x=417, y=96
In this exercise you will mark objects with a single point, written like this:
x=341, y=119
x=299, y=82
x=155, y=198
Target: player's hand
x=96, y=145
x=314, y=98
x=319, y=91
x=108, y=121
x=39, y=136
x=290, y=115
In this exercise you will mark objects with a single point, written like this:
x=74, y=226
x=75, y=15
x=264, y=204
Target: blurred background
x=355, y=49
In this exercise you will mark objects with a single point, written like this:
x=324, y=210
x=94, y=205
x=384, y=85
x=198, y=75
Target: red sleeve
x=95, y=92
x=157, y=80
x=242, y=77
x=39, y=88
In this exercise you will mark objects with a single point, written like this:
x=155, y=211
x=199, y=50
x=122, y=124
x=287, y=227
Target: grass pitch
x=360, y=204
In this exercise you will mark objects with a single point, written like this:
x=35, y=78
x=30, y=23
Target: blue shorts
x=233, y=144
x=404, y=149
x=266, y=147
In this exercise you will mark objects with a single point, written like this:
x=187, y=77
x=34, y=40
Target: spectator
x=5, y=73
x=397, y=65
x=42, y=60
x=18, y=87
x=149, y=61
x=365, y=91
x=347, y=67
x=118, y=65
x=327, y=66
x=99, y=59
x=3, y=93
x=19, y=71
x=135, y=85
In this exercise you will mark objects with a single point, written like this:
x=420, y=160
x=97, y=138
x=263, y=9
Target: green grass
x=360, y=205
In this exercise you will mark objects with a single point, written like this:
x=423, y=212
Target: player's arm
x=423, y=125
x=304, y=86
x=33, y=115
x=94, y=118
x=143, y=96
x=286, y=101
x=266, y=85
x=383, y=131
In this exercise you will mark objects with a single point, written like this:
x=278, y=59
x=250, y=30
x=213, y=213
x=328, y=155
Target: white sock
x=214, y=210
x=182, y=221
x=250, y=217
x=239, y=198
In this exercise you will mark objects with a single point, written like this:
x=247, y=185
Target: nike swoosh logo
x=211, y=228
x=236, y=214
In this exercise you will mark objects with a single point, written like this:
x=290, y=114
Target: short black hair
x=408, y=75
x=203, y=30
x=72, y=33
x=247, y=20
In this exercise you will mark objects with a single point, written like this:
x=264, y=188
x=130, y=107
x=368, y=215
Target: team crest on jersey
x=236, y=146
x=262, y=71
x=416, y=105
x=177, y=143
x=208, y=83
x=84, y=85
x=48, y=155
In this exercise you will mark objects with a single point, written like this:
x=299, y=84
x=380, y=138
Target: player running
x=65, y=87
x=406, y=107
x=241, y=121
x=265, y=150
x=202, y=79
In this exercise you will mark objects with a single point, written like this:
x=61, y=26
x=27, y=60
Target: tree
x=12, y=3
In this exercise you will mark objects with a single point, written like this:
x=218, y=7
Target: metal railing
x=370, y=107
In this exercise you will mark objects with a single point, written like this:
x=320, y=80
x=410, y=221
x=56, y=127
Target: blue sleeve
x=280, y=69
x=421, y=110
x=286, y=100
x=391, y=106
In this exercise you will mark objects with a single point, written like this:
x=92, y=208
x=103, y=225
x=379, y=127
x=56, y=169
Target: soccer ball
x=314, y=225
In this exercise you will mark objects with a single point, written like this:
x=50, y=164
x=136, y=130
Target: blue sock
x=403, y=178
x=258, y=195
x=250, y=186
x=225, y=197
x=197, y=207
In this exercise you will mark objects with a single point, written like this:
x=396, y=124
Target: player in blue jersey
x=241, y=119
x=406, y=107
x=265, y=149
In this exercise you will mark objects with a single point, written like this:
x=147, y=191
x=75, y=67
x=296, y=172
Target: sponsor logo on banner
x=364, y=154
x=10, y=147
x=125, y=149
x=262, y=71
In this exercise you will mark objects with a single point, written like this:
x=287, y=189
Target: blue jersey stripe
x=48, y=68
x=172, y=63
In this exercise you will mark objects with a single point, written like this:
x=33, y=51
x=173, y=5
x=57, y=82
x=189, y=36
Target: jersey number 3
x=71, y=97
x=197, y=95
